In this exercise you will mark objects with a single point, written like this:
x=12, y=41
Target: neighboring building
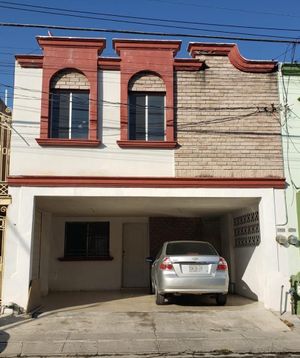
x=289, y=86
x=125, y=153
x=5, y=200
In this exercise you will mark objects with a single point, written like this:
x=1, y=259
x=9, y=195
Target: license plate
x=195, y=268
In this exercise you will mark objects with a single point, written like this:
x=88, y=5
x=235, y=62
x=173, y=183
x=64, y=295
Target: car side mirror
x=150, y=259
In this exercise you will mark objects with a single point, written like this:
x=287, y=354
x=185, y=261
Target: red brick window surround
x=65, y=59
x=146, y=107
x=154, y=59
x=69, y=106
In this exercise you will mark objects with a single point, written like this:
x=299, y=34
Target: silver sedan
x=189, y=267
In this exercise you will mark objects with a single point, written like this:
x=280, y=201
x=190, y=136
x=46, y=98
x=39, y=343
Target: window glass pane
x=80, y=115
x=60, y=102
x=190, y=248
x=98, y=239
x=76, y=239
x=156, y=117
x=137, y=129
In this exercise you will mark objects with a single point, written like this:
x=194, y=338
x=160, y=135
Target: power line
x=262, y=108
x=139, y=22
x=187, y=127
x=148, y=33
x=284, y=54
x=200, y=122
x=73, y=13
x=207, y=130
x=225, y=8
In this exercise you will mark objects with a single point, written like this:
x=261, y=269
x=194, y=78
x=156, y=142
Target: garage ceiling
x=142, y=206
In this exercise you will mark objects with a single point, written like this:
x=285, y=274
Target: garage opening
x=137, y=228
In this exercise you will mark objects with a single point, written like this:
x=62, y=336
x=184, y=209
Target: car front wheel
x=221, y=299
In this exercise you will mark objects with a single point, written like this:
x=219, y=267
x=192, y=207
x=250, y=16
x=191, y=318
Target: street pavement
x=129, y=324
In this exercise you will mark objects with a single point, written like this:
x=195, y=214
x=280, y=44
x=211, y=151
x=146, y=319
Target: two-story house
x=117, y=155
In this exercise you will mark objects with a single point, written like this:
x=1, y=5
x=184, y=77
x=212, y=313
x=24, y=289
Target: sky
x=284, y=15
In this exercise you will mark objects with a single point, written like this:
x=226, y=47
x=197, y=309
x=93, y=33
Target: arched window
x=146, y=94
x=69, y=105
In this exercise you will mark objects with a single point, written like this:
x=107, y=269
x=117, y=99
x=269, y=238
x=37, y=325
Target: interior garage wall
x=40, y=248
x=228, y=250
x=163, y=229
x=40, y=258
x=87, y=275
x=248, y=264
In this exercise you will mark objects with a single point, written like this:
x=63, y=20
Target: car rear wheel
x=221, y=299
x=159, y=299
x=152, y=291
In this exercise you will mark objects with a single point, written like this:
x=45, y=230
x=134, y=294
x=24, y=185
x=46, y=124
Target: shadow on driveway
x=130, y=300
x=9, y=321
x=4, y=337
x=129, y=323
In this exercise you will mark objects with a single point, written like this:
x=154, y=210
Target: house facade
x=114, y=156
x=289, y=88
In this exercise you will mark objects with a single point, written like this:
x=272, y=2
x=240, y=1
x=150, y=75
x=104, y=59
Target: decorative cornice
x=188, y=64
x=109, y=63
x=106, y=63
x=56, y=142
x=84, y=42
x=123, y=44
x=36, y=61
x=145, y=182
x=236, y=59
x=30, y=61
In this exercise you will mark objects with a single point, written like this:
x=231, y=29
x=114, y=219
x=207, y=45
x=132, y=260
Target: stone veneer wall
x=70, y=79
x=218, y=141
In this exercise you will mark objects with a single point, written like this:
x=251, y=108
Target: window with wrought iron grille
x=86, y=240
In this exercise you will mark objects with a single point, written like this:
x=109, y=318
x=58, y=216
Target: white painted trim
x=146, y=116
x=70, y=114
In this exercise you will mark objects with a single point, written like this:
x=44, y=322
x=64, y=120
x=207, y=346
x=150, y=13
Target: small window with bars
x=86, y=240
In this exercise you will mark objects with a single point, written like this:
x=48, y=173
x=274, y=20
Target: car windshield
x=190, y=248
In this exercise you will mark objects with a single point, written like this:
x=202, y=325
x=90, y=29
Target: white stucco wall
x=87, y=275
x=42, y=238
x=28, y=158
x=18, y=248
x=289, y=89
x=262, y=273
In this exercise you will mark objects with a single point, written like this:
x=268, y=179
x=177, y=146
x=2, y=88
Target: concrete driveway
x=129, y=324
